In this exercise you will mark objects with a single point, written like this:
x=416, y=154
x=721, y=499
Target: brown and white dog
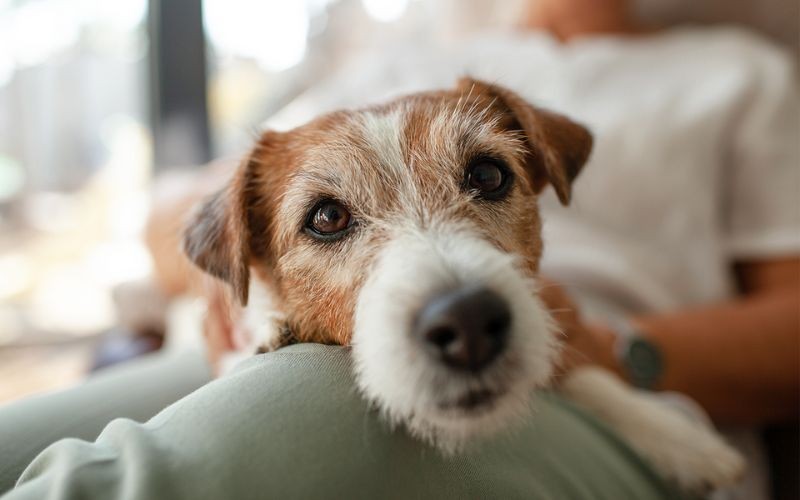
x=410, y=231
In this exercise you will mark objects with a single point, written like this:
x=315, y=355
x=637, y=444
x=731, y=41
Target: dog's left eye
x=328, y=220
x=490, y=178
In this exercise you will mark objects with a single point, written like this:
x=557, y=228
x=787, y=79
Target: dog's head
x=411, y=232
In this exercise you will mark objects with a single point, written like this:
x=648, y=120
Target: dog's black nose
x=466, y=328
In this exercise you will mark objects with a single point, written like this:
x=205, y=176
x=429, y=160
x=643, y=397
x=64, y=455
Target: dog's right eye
x=328, y=220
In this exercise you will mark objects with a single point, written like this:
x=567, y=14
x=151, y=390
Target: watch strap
x=641, y=359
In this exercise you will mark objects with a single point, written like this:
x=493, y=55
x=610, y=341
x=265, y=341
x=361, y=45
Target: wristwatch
x=641, y=359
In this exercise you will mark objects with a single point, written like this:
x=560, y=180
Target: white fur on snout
x=397, y=373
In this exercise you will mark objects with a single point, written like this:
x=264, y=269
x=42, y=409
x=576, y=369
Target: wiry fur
x=392, y=368
x=685, y=451
x=400, y=171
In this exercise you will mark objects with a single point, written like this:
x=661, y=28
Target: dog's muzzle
x=450, y=337
x=466, y=329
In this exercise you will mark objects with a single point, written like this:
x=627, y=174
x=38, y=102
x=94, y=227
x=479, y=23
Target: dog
x=410, y=231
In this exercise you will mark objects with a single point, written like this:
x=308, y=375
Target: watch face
x=644, y=362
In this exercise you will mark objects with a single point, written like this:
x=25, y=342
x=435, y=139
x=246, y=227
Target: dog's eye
x=489, y=177
x=329, y=219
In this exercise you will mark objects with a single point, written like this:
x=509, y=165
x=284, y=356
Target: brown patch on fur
x=257, y=222
x=559, y=146
x=512, y=225
x=326, y=319
x=218, y=237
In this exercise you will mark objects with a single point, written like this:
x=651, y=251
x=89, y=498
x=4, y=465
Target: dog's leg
x=685, y=451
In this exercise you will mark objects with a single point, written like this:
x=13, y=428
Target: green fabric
x=290, y=425
x=136, y=390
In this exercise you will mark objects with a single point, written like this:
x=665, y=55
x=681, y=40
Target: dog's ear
x=218, y=235
x=559, y=147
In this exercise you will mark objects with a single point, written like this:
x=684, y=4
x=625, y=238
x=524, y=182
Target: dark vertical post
x=178, y=106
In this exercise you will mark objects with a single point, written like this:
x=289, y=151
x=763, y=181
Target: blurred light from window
x=6, y=66
x=110, y=264
x=51, y=211
x=10, y=324
x=271, y=32
x=32, y=32
x=36, y=31
x=12, y=177
x=385, y=10
x=118, y=15
x=15, y=268
x=66, y=301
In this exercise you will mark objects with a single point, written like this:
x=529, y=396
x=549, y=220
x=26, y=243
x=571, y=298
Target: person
x=696, y=142
x=686, y=219
x=680, y=256
x=687, y=225
x=685, y=228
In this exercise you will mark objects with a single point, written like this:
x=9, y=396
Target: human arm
x=738, y=359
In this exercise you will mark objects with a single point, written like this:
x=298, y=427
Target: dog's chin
x=410, y=387
x=447, y=409
x=473, y=401
x=452, y=424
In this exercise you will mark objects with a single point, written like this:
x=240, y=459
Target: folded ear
x=217, y=237
x=559, y=147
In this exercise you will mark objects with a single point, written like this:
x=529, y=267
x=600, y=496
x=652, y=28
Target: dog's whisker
x=378, y=228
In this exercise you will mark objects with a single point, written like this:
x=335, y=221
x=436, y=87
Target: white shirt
x=695, y=164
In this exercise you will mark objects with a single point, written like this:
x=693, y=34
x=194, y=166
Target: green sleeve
x=136, y=390
x=290, y=425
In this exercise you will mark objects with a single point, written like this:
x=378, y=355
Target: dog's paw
x=683, y=450
x=716, y=468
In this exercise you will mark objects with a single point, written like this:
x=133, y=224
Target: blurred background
x=97, y=98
